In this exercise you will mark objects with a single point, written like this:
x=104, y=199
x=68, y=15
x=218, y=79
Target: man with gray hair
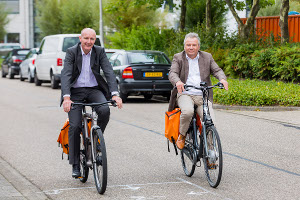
x=81, y=81
x=191, y=67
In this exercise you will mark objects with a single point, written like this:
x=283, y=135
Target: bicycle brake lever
x=113, y=103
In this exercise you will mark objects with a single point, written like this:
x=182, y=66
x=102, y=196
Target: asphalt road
x=261, y=152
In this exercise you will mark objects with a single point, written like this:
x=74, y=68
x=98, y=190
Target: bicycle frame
x=207, y=121
x=92, y=116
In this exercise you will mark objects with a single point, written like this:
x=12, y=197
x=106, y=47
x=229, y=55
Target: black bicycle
x=205, y=145
x=92, y=147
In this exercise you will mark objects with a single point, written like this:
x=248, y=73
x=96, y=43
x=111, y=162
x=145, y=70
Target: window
x=11, y=6
x=50, y=45
x=13, y=37
x=155, y=58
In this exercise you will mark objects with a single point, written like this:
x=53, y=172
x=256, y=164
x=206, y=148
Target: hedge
x=258, y=93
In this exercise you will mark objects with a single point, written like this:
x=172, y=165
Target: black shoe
x=76, y=171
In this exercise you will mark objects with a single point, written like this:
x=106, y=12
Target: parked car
x=7, y=47
x=110, y=52
x=12, y=61
x=50, y=59
x=27, y=67
x=142, y=73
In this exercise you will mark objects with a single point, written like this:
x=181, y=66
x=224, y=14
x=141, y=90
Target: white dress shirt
x=194, y=76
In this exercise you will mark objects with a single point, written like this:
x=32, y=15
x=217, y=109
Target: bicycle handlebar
x=112, y=102
x=204, y=87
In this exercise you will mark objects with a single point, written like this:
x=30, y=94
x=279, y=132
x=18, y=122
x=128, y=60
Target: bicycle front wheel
x=188, y=155
x=213, y=160
x=84, y=169
x=99, y=161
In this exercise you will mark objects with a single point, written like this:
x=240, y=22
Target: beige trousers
x=186, y=104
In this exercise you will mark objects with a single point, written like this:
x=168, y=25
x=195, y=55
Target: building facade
x=21, y=26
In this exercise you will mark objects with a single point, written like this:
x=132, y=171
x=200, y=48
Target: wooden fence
x=265, y=26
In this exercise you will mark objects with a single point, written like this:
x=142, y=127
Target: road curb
x=256, y=108
x=18, y=185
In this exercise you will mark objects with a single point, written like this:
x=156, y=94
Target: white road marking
x=202, y=188
x=197, y=193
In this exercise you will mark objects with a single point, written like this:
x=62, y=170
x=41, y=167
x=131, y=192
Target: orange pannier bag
x=63, y=138
x=172, y=121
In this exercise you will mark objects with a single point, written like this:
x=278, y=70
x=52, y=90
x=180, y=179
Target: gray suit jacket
x=73, y=65
x=180, y=70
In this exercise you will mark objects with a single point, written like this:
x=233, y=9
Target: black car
x=142, y=72
x=12, y=61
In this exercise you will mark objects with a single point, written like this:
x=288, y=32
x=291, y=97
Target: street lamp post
x=101, y=23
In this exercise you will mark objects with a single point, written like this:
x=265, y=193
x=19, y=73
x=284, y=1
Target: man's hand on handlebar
x=118, y=100
x=67, y=104
x=225, y=83
x=180, y=87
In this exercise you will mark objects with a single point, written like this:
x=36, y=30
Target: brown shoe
x=180, y=141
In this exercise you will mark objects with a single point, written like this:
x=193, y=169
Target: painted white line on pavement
x=129, y=186
x=202, y=188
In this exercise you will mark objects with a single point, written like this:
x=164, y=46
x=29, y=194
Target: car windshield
x=10, y=47
x=22, y=52
x=71, y=41
x=145, y=58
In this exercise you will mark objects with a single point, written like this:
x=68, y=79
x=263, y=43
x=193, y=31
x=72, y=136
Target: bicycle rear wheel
x=84, y=169
x=213, y=162
x=100, y=164
x=188, y=155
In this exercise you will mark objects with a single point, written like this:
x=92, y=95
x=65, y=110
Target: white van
x=51, y=55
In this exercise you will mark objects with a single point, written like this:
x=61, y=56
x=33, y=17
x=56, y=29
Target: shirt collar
x=82, y=52
x=197, y=57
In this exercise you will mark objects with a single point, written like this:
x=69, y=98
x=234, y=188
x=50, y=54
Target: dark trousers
x=89, y=95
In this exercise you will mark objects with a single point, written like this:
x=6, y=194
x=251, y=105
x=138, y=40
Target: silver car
x=7, y=47
x=27, y=67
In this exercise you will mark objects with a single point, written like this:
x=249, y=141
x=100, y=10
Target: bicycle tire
x=188, y=155
x=100, y=164
x=84, y=169
x=213, y=163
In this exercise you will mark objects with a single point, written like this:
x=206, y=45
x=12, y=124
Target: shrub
x=258, y=93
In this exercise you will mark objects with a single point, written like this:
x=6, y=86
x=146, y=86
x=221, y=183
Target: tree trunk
x=283, y=21
x=245, y=29
x=182, y=15
x=208, y=15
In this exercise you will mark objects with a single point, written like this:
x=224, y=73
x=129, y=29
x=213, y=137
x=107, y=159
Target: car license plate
x=153, y=74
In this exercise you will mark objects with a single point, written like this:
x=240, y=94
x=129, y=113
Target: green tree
x=255, y=5
x=120, y=14
x=284, y=21
x=79, y=14
x=198, y=12
x=3, y=21
x=271, y=10
x=67, y=16
x=49, y=16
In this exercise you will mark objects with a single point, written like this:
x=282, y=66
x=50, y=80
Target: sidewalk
x=13, y=186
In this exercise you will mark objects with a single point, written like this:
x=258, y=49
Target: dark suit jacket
x=180, y=70
x=73, y=65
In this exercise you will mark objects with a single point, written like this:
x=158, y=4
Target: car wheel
x=37, y=81
x=123, y=96
x=148, y=96
x=10, y=74
x=30, y=78
x=54, y=83
x=3, y=73
x=21, y=77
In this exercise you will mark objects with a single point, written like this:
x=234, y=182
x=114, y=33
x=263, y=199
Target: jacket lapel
x=201, y=65
x=79, y=58
x=186, y=66
x=93, y=58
